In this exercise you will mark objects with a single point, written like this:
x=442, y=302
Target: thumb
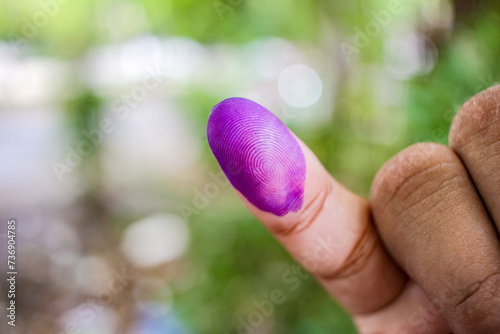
x=325, y=227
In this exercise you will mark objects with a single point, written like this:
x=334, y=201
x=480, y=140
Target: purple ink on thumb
x=258, y=154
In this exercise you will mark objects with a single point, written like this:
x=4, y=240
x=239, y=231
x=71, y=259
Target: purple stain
x=258, y=154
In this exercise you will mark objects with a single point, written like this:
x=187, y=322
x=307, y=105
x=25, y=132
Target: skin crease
x=258, y=154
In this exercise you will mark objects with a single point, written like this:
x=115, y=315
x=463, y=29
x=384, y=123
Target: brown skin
x=423, y=254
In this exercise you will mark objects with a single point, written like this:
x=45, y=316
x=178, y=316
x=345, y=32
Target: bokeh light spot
x=299, y=86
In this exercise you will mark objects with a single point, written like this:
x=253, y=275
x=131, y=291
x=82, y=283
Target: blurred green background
x=123, y=227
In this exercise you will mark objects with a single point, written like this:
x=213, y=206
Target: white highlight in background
x=155, y=239
x=299, y=86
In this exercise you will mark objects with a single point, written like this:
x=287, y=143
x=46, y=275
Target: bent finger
x=475, y=136
x=436, y=227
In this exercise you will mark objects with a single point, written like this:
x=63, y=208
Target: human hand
x=421, y=256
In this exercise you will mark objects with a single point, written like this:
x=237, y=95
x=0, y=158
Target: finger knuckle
x=414, y=175
x=477, y=123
